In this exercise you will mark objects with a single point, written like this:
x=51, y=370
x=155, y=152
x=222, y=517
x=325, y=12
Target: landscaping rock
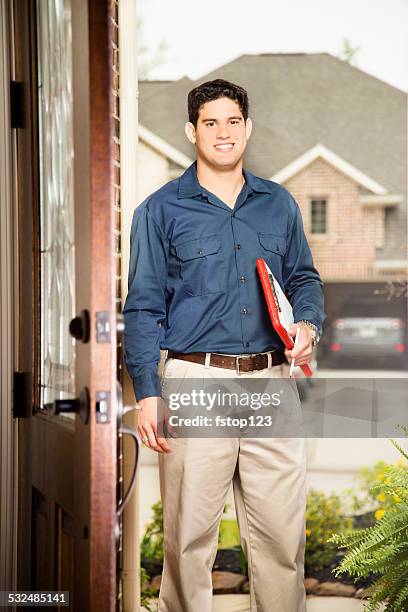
x=227, y=582
x=310, y=585
x=156, y=583
x=362, y=593
x=335, y=589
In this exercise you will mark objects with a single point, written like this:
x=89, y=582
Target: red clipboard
x=272, y=303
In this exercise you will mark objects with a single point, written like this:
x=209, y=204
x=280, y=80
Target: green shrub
x=151, y=546
x=323, y=518
x=229, y=534
x=371, y=495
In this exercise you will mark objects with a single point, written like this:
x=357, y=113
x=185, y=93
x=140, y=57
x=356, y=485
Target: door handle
x=126, y=430
x=80, y=327
x=77, y=405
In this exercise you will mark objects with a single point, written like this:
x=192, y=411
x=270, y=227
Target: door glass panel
x=56, y=199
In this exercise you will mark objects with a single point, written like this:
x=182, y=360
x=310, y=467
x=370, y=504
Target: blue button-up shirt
x=193, y=283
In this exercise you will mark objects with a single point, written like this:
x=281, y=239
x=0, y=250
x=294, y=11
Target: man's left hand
x=302, y=352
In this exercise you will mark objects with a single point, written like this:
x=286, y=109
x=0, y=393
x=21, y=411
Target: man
x=194, y=291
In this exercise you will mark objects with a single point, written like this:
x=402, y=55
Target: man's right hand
x=147, y=424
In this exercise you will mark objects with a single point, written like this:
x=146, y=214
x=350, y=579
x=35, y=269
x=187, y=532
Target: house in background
x=334, y=136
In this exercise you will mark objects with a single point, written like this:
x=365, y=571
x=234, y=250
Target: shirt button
x=242, y=279
x=237, y=246
x=199, y=252
x=246, y=344
x=244, y=311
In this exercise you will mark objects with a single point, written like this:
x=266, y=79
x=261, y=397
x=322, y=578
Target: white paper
x=286, y=312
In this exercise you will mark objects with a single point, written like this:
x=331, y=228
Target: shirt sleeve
x=145, y=306
x=302, y=281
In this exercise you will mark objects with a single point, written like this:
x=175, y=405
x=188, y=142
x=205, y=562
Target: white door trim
x=129, y=129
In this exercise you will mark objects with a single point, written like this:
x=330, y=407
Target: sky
x=201, y=36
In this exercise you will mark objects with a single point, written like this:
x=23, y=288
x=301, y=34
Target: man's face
x=221, y=134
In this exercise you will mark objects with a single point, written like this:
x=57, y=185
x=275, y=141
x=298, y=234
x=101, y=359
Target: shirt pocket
x=271, y=242
x=201, y=265
x=273, y=251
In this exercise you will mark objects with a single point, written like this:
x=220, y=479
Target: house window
x=319, y=217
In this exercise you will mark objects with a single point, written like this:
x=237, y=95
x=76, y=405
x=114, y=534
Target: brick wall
x=347, y=250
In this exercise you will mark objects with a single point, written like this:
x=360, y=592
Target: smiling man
x=194, y=291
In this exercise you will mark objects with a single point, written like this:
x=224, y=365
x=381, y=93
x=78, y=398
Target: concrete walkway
x=231, y=603
x=240, y=603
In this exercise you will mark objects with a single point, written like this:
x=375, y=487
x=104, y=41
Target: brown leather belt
x=240, y=363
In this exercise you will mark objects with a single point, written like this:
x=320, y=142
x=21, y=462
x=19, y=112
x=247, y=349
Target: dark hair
x=212, y=90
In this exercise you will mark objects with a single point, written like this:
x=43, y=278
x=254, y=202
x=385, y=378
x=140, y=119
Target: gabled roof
x=163, y=147
x=338, y=162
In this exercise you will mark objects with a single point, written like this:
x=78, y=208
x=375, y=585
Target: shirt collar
x=258, y=184
x=188, y=183
x=190, y=187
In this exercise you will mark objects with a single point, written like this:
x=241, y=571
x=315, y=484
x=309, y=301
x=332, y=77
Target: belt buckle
x=237, y=358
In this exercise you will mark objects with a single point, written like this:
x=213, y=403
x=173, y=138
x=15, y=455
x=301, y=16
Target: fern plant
x=383, y=548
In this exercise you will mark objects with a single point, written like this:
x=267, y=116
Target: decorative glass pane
x=56, y=198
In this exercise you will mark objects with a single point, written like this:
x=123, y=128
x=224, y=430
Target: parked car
x=364, y=336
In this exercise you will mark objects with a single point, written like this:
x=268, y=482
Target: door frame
x=8, y=324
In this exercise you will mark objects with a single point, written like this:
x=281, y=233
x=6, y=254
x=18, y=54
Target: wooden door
x=65, y=388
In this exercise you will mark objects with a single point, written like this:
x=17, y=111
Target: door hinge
x=17, y=104
x=22, y=395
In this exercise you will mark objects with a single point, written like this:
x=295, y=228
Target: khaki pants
x=268, y=476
